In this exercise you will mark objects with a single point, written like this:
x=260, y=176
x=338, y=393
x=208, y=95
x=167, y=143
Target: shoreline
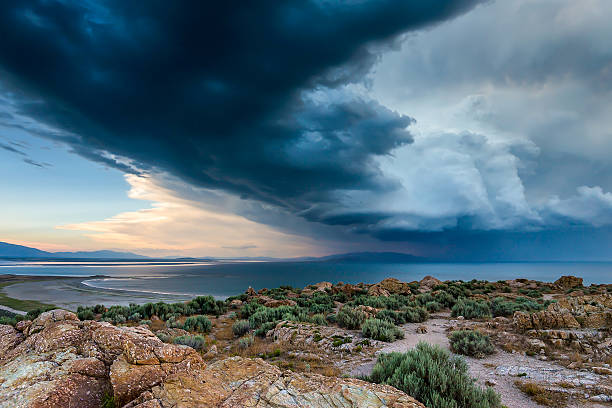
x=22, y=293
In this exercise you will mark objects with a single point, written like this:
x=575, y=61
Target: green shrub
x=208, y=305
x=246, y=341
x=503, y=307
x=85, y=313
x=108, y=400
x=265, y=328
x=198, y=323
x=11, y=321
x=33, y=314
x=241, y=327
x=269, y=314
x=350, y=318
x=434, y=377
x=195, y=342
x=382, y=330
x=471, y=309
x=414, y=314
x=318, y=319
x=433, y=306
x=471, y=343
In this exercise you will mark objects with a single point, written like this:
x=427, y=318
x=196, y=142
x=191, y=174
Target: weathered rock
x=269, y=302
x=235, y=304
x=63, y=362
x=238, y=382
x=391, y=286
x=428, y=283
x=9, y=339
x=568, y=282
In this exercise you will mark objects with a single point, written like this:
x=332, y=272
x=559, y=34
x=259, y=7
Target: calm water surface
x=226, y=279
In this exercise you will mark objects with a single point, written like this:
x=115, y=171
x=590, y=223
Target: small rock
x=602, y=370
x=421, y=329
x=490, y=383
x=460, y=318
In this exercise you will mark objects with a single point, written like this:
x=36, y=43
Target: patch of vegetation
x=264, y=328
x=195, y=342
x=246, y=341
x=200, y=324
x=350, y=318
x=503, y=307
x=241, y=327
x=541, y=395
x=471, y=343
x=471, y=309
x=382, y=330
x=108, y=401
x=434, y=377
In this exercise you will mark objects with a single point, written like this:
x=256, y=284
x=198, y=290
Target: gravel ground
x=481, y=369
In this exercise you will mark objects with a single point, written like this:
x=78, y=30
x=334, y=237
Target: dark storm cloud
x=250, y=99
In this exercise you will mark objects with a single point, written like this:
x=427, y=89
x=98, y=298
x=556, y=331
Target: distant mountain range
x=19, y=251
x=23, y=252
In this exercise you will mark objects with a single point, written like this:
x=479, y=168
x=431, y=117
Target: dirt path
x=500, y=369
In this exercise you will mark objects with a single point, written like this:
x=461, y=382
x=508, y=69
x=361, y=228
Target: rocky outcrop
x=60, y=361
x=238, y=382
x=554, y=317
x=317, y=287
x=568, y=282
x=428, y=283
x=388, y=287
x=590, y=311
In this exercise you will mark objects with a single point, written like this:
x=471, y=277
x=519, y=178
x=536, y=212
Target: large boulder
x=240, y=382
x=389, y=286
x=60, y=361
x=428, y=283
x=568, y=282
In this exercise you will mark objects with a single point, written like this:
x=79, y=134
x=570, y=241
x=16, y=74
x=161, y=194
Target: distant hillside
x=19, y=251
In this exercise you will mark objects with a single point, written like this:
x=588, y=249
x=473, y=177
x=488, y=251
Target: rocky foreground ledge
x=59, y=361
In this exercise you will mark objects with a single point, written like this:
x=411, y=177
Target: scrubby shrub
x=269, y=314
x=164, y=337
x=471, y=343
x=195, y=342
x=382, y=330
x=249, y=309
x=85, y=313
x=174, y=323
x=208, y=305
x=11, y=321
x=264, y=328
x=318, y=319
x=415, y=314
x=434, y=377
x=134, y=317
x=241, y=327
x=433, y=306
x=246, y=341
x=503, y=307
x=388, y=315
x=471, y=309
x=350, y=318
x=145, y=322
x=198, y=323
x=33, y=314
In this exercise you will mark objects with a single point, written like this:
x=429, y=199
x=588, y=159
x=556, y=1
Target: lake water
x=226, y=279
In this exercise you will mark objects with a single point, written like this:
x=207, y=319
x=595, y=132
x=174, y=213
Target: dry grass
x=541, y=395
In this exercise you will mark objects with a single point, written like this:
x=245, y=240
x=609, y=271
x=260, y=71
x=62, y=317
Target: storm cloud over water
x=291, y=108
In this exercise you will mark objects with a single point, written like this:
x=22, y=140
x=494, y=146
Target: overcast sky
x=468, y=130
